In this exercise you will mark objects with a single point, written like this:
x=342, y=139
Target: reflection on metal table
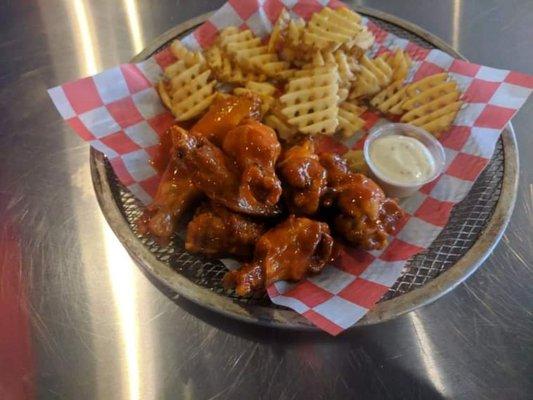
x=79, y=320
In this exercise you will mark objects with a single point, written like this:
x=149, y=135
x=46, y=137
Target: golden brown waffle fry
x=182, y=53
x=250, y=54
x=439, y=112
x=366, y=84
x=432, y=103
x=213, y=56
x=292, y=47
x=440, y=124
x=439, y=120
x=429, y=95
x=328, y=29
x=283, y=129
x=232, y=39
x=356, y=161
x=310, y=101
x=374, y=75
x=163, y=93
x=265, y=91
x=389, y=100
x=349, y=118
x=431, y=106
x=362, y=41
x=400, y=62
x=346, y=66
x=187, y=90
x=379, y=68
x=342, y=94
x=278, y=30
x=226, y=70
x=426, y=83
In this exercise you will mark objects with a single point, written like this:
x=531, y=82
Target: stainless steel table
x=78, y=320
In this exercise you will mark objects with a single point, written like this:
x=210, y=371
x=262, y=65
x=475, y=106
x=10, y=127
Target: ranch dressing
x=402, y=159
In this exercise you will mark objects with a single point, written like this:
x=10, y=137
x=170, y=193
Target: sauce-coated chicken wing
x=365, y=215
x=290, y=251
x=304, y=178
x=255, y=148
x=176, y=191
x=175, y=194
x=217, y=231
x=253, y=191
x=225, y=114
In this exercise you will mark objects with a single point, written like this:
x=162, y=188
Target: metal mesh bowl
x=469, y=221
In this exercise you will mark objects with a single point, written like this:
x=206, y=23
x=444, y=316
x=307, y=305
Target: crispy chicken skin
x=365, y=215
x=254, y=190
x=217, y=231
x=290, y=251
x=304, y=179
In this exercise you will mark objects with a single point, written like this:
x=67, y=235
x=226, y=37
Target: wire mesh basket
x=474, y=227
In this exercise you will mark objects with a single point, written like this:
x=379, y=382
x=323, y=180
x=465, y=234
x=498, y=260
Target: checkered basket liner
x=119, y=113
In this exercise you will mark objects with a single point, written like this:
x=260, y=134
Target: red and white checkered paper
x=119, y=113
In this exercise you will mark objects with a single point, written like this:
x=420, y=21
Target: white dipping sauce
x=402, y=159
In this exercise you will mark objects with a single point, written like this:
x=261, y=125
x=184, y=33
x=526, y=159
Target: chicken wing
x=365, y=215
x=255, y=149
x=225, y=114
x=303, y=177
x=252, y=191
x=216, y=231
x=290, y=251
x=174, y=196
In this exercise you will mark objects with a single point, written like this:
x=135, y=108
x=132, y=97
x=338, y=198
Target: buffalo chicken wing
x=304, y=178
x=216, y=231
x=364, y=215
x=290, y=251
x=253, y=190
x=225, y=114
x=175, y=194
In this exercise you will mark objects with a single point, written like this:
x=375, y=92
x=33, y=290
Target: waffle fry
x=366, y=84
x=325, y=68
x=429, y=95
x=349, y=119
x=379, y=68
x=264, y=90
x=187, y=90
x=278, y=30
x=225, y=70
x=426, y=83
x=182, y=53
x=356, y=161
x=310, y=101
x=399, y=62
x=347, y=65
x=293, y=49
x=362, y=41
x=389, y=100
x=250, y=54
x=328, y=29
x=432, y=103
x=374, y=75
x=284, y=130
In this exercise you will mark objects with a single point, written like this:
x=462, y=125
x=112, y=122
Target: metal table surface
x=79, y=320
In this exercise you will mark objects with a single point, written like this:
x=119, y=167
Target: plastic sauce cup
x=397, y=189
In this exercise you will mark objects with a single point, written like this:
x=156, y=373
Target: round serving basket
x=475, y=226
